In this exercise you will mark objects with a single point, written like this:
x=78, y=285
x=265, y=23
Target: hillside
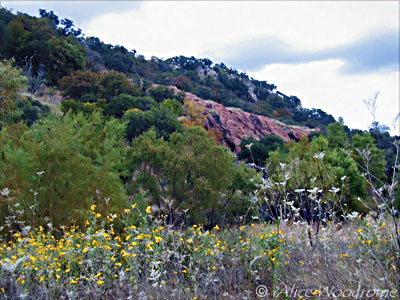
x=48, y=49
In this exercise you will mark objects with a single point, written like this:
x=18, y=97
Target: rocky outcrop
x=236, y=124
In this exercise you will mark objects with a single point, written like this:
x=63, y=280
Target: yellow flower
x=149, y=245
x=158, y=239
x=97, y=275
x=216, y=227
x=100, y=282
x=73, y=281
x=98, y=215
x=148, y=209
x=93, y=207
x=316, y=292
x=133, y=205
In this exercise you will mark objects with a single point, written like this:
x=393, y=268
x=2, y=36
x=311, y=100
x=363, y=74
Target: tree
x=192, y=172
x=60, y=166
x=337, y=137
x=89, y=86
x=316, y=165
x=160, y=93
x=163, y=120
x=11, y=84
x=253, y=151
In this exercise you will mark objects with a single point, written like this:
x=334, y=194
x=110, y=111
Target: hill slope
x=49, y=49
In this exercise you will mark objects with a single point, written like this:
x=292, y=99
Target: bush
x=60, y=166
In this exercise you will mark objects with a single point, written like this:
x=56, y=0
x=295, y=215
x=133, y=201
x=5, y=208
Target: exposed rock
x=235, y=123
x=252, y=94
x=203, y=72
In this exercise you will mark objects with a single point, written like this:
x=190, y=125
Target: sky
x=330, y=54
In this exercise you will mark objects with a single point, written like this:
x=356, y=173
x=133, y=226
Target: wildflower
x=93, y=207
x=5, y=192
x=158, y=239
x=148, y=209
x=73, y=281
x=316, y=292
x=97, y=275
x=319, y=155
x=133, y=205
x=100, y=282
x=149, y=245
x=216, y=227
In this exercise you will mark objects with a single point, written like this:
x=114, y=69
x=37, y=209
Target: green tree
x=368, y=157
x=336, y=135
x=315, y=164
x=160, y=117
x=60, y=166
x=87, y=86
x=253, y=151
x=193, y=172
x=11, y=84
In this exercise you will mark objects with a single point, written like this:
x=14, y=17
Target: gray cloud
x=81, y=12
x=377, y=51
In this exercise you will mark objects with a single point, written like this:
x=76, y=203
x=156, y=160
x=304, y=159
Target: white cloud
x=321, y=85
x=173, y=28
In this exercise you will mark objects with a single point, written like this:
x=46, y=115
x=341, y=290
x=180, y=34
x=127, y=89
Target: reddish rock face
x=236, y=124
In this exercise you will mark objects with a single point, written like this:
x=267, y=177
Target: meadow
x=111, y=258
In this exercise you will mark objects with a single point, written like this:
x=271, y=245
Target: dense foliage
x=58, y=167
x=177, y=175
x=49, y=48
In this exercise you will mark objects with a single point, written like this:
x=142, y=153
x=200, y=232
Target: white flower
x=40, y=173
x=248, y=146
x=343, y=178
x=5, y=192
x=319, y=155
x=299, y=190
x=334, y=190
x=353, y=215
x=313, y=191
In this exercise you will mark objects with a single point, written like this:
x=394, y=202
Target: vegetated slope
x=49, y=48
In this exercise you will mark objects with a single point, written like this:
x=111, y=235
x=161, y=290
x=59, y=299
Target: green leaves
x=191, y=171
x=11, y=83
x=81, y=158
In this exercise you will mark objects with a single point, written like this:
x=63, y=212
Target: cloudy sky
x=332, y=55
